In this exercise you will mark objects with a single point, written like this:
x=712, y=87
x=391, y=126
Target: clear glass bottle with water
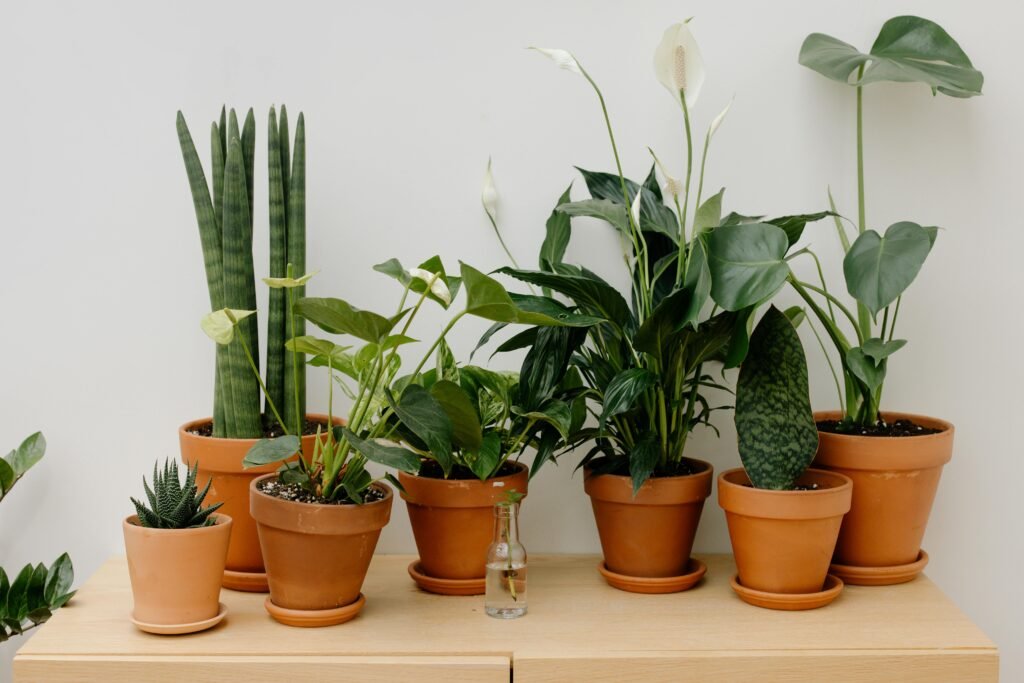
x=506, y=566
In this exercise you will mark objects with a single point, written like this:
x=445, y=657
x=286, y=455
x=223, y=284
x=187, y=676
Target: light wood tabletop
x=577, y=628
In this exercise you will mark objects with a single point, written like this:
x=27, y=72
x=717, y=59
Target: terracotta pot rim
x=185, y=429
x=675, y=490
x=462, y=493
x=736, y=498
x=220, y=520
x=520, y=467
x=295, y=504
x=329, y=520
x=944, y=426
x=886, y=453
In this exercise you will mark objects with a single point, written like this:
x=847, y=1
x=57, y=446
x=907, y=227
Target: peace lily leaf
x=908, y=49
x=775, y=428
x=643, y=459
x=698, y=279
x=424, y=416
x=563, y=58
x=220, y=325
x=487, y=457
x=556, y=236
x=747, y=263
x=672, y=313
x=878, y=269
x=266, y=451
x=466, y=430
x=339, y=317
x=27, y=454
x=553, y=309
x=389, y=456
x=710, y=212
x=289, y=282
x=556, y=413
x=794, y=225
x=654, y=216
x=608, y=211
x=590, y=294
x=866, y=369
x=625, y=388
x=733, y=218
x=486, y=298
x=878, y=350
x=678, y=63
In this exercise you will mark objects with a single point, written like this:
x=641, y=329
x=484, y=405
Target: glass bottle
x=506, y=566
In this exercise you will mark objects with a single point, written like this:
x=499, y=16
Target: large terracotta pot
x=316, y=555
x=453, y=520
x=175, y=573
x=650, y=535
x=783, y=540
x=894, y=485
x=221, y=460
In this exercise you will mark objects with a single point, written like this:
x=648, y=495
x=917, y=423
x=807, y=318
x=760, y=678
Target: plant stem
x=862, y=311
x=895, y=315
x=295, y=361
x=837, y=302
x=437, y=342
x=681, y=264
x=252, y=364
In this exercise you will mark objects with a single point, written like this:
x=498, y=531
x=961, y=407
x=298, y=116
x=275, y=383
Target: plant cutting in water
x=750, y=261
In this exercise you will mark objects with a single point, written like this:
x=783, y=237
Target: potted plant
x=895, y=459
x=783, y=517
x=319, y=516
x=647, y=367
x=30, y=597
x=225, y=221
x=176, y=552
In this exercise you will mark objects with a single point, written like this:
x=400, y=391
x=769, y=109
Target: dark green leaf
x=867, y=370
x=747, y=264
x=643, y=459
x=593, y=296
x=486, y=298
x=425, y=417
x=389, y=456
x=552, y=309
x=674, y=312
x=7, y=477
x=556, y=238
x=794, y=225
x=487, y=457
x=709, y=215
x=878, y=269
x=340, y=317
x=878, y=350
x=17, y=596
x=59, y=579
x=466, y=430
x=556, y=413
x=266, y=451
x=608, y=211
x=625, y=388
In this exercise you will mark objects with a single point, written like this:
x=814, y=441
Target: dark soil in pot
x=297, y=494
x=270, y=428
x=881, y=428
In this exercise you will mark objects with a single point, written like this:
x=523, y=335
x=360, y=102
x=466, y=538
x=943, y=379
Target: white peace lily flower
x=678, y=63
x=562, y=58
x=635, y=208
x=436, y=283
x=673, y=186
x=718, y=120
x=489, y=194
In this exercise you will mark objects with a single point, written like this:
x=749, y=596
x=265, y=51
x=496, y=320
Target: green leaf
x=908, y=49
x=796, y=315
x=220, y=325
x=339, y=317
x=394, y=268
x=7, y=477
x=17, y=595
x=466, y=429
x=747, y=263
x=424, y=416
x=625, y=388
x=486, y=298
x=878, y=269
x=556, y=237
x=866, y=369
x=487, y=457
x=674, y=312
x=878, y=350
x=710, y=213
x=643, y=459
x=552, y=309
x=608, y=211
x=28, y=454
x=794, y=226
x=288, y=282
x=593, y=296
x=556, y=413
x=266, y=451
x=389, y=456
x=58, y=579
x=775, y=427
x=322, y=350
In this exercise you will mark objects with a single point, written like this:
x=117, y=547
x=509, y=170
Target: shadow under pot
x=895, y=479
x=220, y=459
x=317, y=554
x=453, y=524
x=175, y=575
x=647, y=538
x=783, y=540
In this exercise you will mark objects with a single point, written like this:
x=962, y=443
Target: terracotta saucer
x=695, y=571
x=181, y=629
x=880, y=576
x=790, y=601
x=433, y=584
x=250, y=582
x=313, y=618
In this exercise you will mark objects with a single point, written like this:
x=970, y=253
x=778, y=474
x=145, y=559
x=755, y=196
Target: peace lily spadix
x=489, y=198
x=678, y=63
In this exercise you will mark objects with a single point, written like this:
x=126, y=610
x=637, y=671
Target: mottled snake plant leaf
x=774, y=423
x=908, y=49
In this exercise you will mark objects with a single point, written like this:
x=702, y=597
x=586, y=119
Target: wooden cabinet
x=577, y=628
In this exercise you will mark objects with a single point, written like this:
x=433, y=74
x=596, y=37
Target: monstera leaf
x=908, y=49
x=774, y=424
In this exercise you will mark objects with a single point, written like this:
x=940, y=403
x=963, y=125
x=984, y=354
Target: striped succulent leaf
x=276, y=321
x=297, y=258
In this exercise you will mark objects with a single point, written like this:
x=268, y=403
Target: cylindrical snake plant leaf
x=217, y=169
x=249, y=155
x=286, y=155
x=774, y=423
x=276, y=321
x=295, y=382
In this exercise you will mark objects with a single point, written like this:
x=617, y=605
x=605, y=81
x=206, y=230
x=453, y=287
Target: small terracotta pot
x=649, y=535
x=221, y=460
x=316, y=555
x=783, y=540
x=453, y=520
x=175, y=573
x=894, y=484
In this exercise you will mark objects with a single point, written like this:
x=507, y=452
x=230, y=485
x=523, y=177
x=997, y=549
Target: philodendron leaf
x=643, y=459
x=908, y=49
x=389, y=456
x=878, y=350
x=442, y=289
x=747, y=263
x=622, y=392
x=266, y=451
x=424, y=416
x=466, y=430
x=289, y=282
x=27, y=454
x=340, y=317
x=487, y=457
x=794, y=226
x=775, y=428
x=486, y=298
x=220, y=325
x=866, y=369
x=878, y=269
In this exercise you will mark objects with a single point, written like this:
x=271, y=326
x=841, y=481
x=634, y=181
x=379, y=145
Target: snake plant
x=224, y=212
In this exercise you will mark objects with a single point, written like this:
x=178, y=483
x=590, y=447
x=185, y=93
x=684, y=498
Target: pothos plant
x=647, y=366
x=30, y=597
x=750, y=261
x=422, y=408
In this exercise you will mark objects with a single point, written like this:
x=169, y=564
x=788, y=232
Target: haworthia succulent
x=774, y=423
x=297, y=257
x=276, y=322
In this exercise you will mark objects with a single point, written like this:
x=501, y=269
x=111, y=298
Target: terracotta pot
x=651, y=534
x=783, y=540
x=316, y=555
x=221, y=459
x=453, y=520
x=175, y=573
x=894, y=485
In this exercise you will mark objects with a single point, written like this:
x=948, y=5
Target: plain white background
x=103, y=284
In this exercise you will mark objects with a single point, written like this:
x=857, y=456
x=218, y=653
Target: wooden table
x=577, y=628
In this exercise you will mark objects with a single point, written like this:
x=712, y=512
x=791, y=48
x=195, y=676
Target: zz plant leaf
x=774, y=423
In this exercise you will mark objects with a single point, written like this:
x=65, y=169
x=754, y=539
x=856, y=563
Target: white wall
x=103, y=284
